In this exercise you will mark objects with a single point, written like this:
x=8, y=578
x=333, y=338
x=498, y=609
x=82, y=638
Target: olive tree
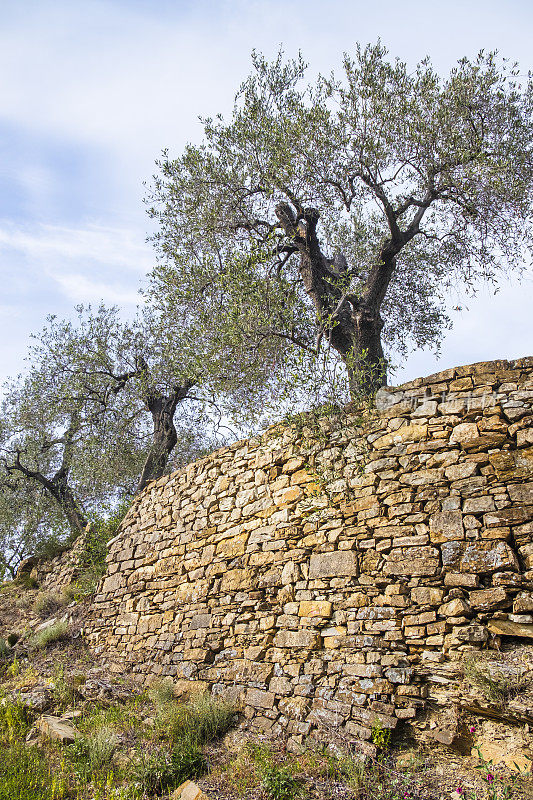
x=92, y=419
x=352, y=205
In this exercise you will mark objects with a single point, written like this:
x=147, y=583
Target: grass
x=54, y=633
x=4, y=649
x=46, y=603
x=162, y=770
x=495, y=686
x=26, y=775
x=199, y=720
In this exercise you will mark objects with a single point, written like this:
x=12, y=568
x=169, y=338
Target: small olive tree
x=352, y=205
x=93, y=418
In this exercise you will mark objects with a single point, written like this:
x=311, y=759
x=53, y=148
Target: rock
x=517, y=760
x=485, y=599
x=513, y=464
x=330, y=565
x=315, y=608
x=188, y=791
x=412, y=561
x=57, y=729
x=508, y=628
x=38, y=698
x=478, y=557
x=408, y=433
x=446, y=526
x=443, y=735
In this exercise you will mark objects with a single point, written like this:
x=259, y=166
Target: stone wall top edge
x=278, y=428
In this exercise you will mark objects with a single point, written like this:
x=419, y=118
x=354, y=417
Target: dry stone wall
x=317, y=572
x=55, y=574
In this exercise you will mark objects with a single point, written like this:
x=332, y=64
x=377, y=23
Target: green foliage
x=14, y=721
x=381, y=736
x=316, y=206
x=278, y=780
x=161, y=771
x=4, y=649
x=199, y=720
x=53, y=633
x=25, y=775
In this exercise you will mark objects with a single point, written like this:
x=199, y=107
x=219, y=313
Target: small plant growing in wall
x=381, y=736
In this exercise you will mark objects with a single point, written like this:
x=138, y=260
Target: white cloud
x=109, y=246
x=81, y=289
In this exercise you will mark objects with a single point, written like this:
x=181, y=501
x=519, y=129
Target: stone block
x=478, y=557
x=446, y=526
x=512, y=465
x=339, y=563
x=257, y=698
x=412, y=561
x=486, y=599
x=315, y=608
x=301, y=639
x=408, y=433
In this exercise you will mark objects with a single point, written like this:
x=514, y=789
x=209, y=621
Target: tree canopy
x=93, y=418
x=332, y=218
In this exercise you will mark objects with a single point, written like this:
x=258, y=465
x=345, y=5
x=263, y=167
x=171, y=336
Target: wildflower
x=490, y=777
x=460, y=790
x=473, y=729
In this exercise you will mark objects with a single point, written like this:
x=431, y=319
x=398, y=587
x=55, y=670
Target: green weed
x=278, y=781
x=54, y=633
x=162, y=771
x=199, y=720
x=25, y=775
x=46, y=603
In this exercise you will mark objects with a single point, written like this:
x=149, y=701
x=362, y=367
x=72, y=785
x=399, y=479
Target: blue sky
x=90, y=93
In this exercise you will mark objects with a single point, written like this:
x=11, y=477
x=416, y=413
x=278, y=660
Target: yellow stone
x=315, y=608
x=189, y=791
x=230, y=548
x=288, y=495
x=409, y=433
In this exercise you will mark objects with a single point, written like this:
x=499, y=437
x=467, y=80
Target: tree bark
x=164, y=437
x=351, y=324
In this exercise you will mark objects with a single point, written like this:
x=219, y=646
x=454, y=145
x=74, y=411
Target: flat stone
x=485, y=599
x=478, y=557
x=408, y=433
x=446, y=526
x=513, y=464
x=315, y=608
x=299, y=639
x=410, y=561
x=508, y=628
x=338, y=563
x=57, y=729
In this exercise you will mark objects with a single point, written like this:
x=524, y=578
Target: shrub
x=54, y=633
x=14, y=721
x=278, y=781
x=46, y=603
x=381, y=736
x=4, y=649
x=94, y=553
